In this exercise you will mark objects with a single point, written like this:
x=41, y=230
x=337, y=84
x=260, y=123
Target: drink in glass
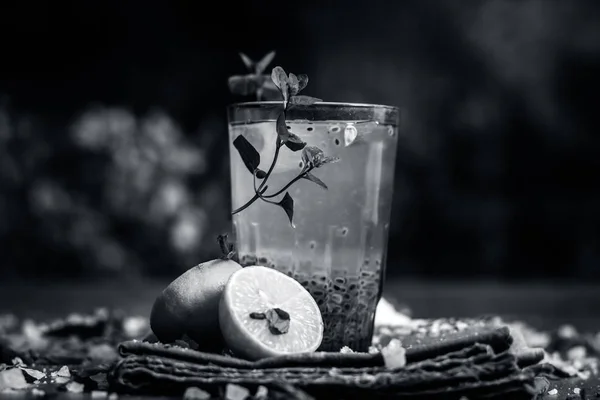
x=337, y=249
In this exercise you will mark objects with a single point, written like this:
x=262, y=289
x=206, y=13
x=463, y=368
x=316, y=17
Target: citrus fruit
x=265, y=313
x=190, y=305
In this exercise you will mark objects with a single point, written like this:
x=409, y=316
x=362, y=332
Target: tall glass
x=337, y=249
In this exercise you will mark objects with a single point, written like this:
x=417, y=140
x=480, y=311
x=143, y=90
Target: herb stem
x=296, y=179
x=252, y=200
x=278, y=145
x=258, y=193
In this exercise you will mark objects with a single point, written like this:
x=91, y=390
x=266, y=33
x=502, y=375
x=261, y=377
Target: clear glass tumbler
x=337, y=249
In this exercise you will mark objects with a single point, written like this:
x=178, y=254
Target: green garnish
x=289, y=85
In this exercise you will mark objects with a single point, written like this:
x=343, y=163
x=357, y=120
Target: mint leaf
x=294, y=143
x=302, y=82
x=303, y=100
x=262, y=65
x=314, y=156
x=294, y=84
x=247, y=61
x=249, y=155
x=326, y=160
x=280, y=79
x=310, y=153
x=279, y=321
x=287, y=203
x=314, y=179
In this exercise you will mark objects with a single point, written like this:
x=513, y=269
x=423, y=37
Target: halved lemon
x=265, y=313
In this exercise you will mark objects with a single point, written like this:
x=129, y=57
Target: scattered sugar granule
x=236, y=392
x=461, y=326
x=585, y=375
x=64, y=372
x=577, y=353
x=385, y=331
x=34, y=373
x=18, y=362
x=567, y=332
x=194, y=393
x=394, y=355
x=262, y=393
x=75, y=387
x=135, y=326
x=12, y=379
x=373, y=350
x=63, y=375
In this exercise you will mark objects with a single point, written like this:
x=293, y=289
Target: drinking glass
x=337, y=249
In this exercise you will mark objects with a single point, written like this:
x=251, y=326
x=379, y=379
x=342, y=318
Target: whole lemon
x=190, y=304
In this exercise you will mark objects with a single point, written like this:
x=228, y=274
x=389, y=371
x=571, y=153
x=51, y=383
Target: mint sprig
x=289, y=85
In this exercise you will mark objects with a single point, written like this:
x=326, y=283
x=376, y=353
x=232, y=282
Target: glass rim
x=322, y=103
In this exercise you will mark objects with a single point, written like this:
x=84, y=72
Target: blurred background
x=114, y=148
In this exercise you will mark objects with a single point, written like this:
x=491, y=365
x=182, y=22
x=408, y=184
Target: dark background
x=113, y=136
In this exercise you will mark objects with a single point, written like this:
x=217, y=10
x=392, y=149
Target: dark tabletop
x=544, y=306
